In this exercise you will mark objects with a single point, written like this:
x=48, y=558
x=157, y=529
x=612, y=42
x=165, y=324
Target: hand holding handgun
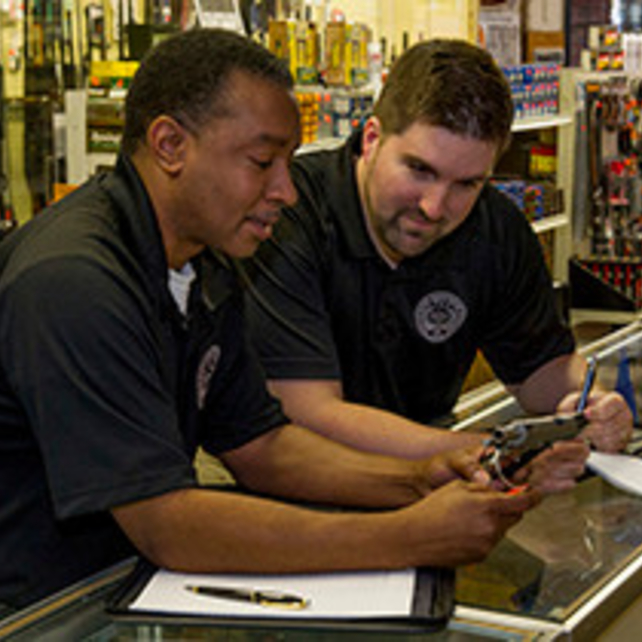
x=513, y=445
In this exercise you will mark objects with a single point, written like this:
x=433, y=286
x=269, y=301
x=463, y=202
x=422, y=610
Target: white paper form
x=623, y=471
x=331, y=595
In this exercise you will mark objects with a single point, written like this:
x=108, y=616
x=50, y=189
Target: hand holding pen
x=589, y=380
x=610, y=421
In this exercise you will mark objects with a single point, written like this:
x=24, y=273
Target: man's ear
x=167, y=141
x=371, y=137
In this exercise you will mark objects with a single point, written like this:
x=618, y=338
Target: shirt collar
x=137, y=218
x=143, y=236
x=346, y=203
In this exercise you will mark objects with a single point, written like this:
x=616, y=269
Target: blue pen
x=588, y=384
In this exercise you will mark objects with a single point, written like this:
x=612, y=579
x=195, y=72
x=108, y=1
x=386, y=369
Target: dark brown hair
x=447, y=83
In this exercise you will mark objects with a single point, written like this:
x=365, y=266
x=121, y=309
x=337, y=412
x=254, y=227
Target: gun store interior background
x=574, y=165
x=575, y=68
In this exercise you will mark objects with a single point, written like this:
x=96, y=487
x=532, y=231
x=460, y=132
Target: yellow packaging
x=282, y=42
x=357, y=54
x=337, y=73
x=307, y=53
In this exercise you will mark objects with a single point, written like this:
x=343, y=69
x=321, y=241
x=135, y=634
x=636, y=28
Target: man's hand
x=463, y=463
x=610, y=419
x=556, y=469
x=461, y=522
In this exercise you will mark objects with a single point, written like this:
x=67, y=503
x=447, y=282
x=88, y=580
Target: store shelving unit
x=572, y=102
x=558, y=224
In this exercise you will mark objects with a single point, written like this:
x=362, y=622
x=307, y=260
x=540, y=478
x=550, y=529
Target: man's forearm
x=367, y=428
x=199, y=530
x=296, y=462
x=379, y=431
x=547, y=386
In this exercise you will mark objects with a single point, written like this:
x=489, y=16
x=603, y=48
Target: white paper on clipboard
x=331, y=595
x=622, y=471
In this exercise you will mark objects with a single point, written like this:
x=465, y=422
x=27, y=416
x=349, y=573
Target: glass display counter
x=564, y=572
x=572, y=564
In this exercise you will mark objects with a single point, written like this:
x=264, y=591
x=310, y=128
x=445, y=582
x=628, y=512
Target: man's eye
x=263, y=164
x=418, y=167
x=476, y=184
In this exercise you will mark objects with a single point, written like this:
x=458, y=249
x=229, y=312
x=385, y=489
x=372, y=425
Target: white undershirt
x=180, y=282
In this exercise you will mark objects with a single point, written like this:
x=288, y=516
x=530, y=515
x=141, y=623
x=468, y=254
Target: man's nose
x=433, y=201
x=281, y=188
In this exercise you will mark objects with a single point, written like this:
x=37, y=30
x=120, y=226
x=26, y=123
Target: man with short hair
x=399, y=262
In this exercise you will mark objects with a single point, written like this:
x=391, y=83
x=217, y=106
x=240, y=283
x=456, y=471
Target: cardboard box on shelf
x=545, y=46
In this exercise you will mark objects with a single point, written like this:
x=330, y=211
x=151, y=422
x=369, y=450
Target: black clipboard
x=432, y=607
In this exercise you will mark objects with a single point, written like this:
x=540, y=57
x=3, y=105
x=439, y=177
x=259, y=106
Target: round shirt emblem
x=204, y=373
x=439, y=315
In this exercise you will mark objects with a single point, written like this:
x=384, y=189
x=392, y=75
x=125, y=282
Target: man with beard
x=400, y=262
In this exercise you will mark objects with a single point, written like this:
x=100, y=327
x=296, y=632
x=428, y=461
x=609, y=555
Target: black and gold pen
x=262, y=597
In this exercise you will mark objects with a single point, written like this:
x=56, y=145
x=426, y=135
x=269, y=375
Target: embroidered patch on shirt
x=206, y=369
x=439, y=315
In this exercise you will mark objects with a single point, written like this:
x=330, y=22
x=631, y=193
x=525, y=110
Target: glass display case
x=572, y=563
x=569, y=568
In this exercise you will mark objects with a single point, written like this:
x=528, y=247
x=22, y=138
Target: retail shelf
x=550, y=223
x=543, y=122
x=559, y=224
x=520, y=125
x=97, y=161
x=616, y=317
x=323, y=143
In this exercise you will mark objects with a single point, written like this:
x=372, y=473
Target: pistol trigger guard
x=493, y=464
x=499, y=470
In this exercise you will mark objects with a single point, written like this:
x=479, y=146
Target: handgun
x=513, y=445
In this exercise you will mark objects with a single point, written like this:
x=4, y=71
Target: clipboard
x=431, y=607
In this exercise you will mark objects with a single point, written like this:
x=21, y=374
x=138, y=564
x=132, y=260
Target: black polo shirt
x=105, y=388
x=324, y=305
